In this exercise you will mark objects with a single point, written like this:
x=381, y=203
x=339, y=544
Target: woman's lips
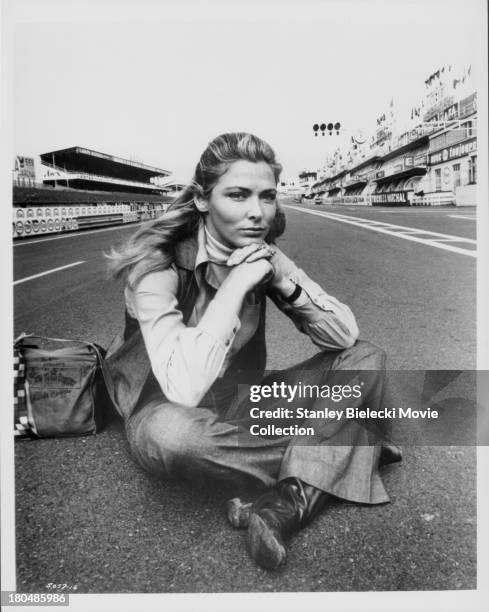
x=253, y=231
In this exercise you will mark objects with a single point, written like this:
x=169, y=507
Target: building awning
x=414, y=144
x=408, y=172
x=332, y=190
x=409, y=183
x=370, y=160
x=355, y=185
x=355, y=189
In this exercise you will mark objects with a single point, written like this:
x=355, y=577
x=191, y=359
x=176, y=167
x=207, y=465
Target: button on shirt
x=187, y=359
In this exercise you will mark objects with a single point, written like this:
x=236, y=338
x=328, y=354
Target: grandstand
x=84, y=189
x=82, y=168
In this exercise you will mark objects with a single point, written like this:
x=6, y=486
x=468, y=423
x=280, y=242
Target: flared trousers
x=214, y=440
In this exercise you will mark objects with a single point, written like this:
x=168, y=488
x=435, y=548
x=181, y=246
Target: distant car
x=318, y=200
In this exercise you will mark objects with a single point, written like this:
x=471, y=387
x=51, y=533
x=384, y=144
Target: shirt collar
x=202, y=256
x=203, y=267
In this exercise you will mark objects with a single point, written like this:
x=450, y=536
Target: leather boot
x=277, y=514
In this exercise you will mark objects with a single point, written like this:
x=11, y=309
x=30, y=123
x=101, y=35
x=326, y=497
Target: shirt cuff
x=220, y=325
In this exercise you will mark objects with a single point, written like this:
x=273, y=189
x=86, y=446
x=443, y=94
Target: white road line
x=391, y=225
x=28, y=278
x=75, y=235
x=386, y=228
x=463, y=217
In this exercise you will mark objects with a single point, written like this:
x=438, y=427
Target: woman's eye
x=237, y=196
x=270, y=197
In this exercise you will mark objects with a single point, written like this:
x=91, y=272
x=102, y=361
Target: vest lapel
x=186, y=252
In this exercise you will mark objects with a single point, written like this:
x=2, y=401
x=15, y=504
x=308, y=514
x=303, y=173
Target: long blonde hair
x=151, y=247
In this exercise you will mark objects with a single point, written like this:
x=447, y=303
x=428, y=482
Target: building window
x=472, y=169
x=468, y=129
x=438, y=179
x=456, y=175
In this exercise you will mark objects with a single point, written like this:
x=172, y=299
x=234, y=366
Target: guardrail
x=31, y=221
x=361, y=200
x=444, y=198
x=440, y=198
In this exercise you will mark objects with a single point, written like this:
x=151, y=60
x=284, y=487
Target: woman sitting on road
x=197, y=279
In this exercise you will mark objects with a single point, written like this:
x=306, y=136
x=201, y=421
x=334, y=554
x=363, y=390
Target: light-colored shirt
x=187, y=359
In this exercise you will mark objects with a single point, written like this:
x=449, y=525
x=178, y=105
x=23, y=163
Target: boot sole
x=264, y=545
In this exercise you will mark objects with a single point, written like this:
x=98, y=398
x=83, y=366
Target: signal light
x=329, y=127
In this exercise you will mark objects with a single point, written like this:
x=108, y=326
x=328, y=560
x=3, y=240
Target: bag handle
x=109, y=383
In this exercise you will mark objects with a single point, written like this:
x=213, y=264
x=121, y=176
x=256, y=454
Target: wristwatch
x=293, y=296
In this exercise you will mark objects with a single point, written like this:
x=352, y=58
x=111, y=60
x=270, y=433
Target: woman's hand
x=277, y=279
x=251, y=266
x=251, y=252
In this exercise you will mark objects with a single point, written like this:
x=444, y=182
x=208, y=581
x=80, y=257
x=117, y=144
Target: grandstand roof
x=79, y=159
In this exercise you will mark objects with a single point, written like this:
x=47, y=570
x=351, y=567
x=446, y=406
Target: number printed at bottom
x=11, y=598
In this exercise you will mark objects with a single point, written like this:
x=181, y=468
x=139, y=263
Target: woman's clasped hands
x=253, y=265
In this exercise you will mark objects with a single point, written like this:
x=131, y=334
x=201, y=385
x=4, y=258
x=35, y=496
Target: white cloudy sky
x=157, y=80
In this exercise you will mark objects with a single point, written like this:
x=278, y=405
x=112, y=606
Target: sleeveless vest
x=128, y=361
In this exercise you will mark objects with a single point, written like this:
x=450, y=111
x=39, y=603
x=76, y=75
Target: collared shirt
x=187, y=359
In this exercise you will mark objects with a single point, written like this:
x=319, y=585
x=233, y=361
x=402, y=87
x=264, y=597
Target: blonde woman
x=197, y=282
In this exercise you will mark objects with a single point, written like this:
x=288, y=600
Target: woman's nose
x=255, y=210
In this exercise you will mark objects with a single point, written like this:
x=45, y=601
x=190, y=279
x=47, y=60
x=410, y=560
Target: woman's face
x=242, y=205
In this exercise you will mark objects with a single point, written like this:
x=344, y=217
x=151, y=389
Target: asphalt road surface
x=88, y=517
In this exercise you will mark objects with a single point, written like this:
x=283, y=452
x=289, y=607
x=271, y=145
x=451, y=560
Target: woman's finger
x=239, y=255
x=263, y=253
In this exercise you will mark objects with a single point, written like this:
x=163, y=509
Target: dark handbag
x=61, y=387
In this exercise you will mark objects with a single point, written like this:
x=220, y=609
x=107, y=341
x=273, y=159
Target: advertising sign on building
x=421, y=159
x=447, y=175
x=24, y=167
x=450, y=113
x=468, y=105
x=393, y=198
x=52, y=174
x=449, y=153
x=433, y=113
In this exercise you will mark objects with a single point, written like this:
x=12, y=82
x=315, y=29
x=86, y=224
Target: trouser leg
x=343, y=457
x=183, y=442
x=180, y=441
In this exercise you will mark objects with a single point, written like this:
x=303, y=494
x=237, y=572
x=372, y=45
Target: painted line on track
x=463, y=217
x=75, y=235
x=435, y=239
x=28, y=278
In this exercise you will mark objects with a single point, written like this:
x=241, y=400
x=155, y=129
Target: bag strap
x=109, y=383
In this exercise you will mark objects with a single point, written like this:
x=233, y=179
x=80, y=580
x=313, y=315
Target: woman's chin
x=244, y=241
